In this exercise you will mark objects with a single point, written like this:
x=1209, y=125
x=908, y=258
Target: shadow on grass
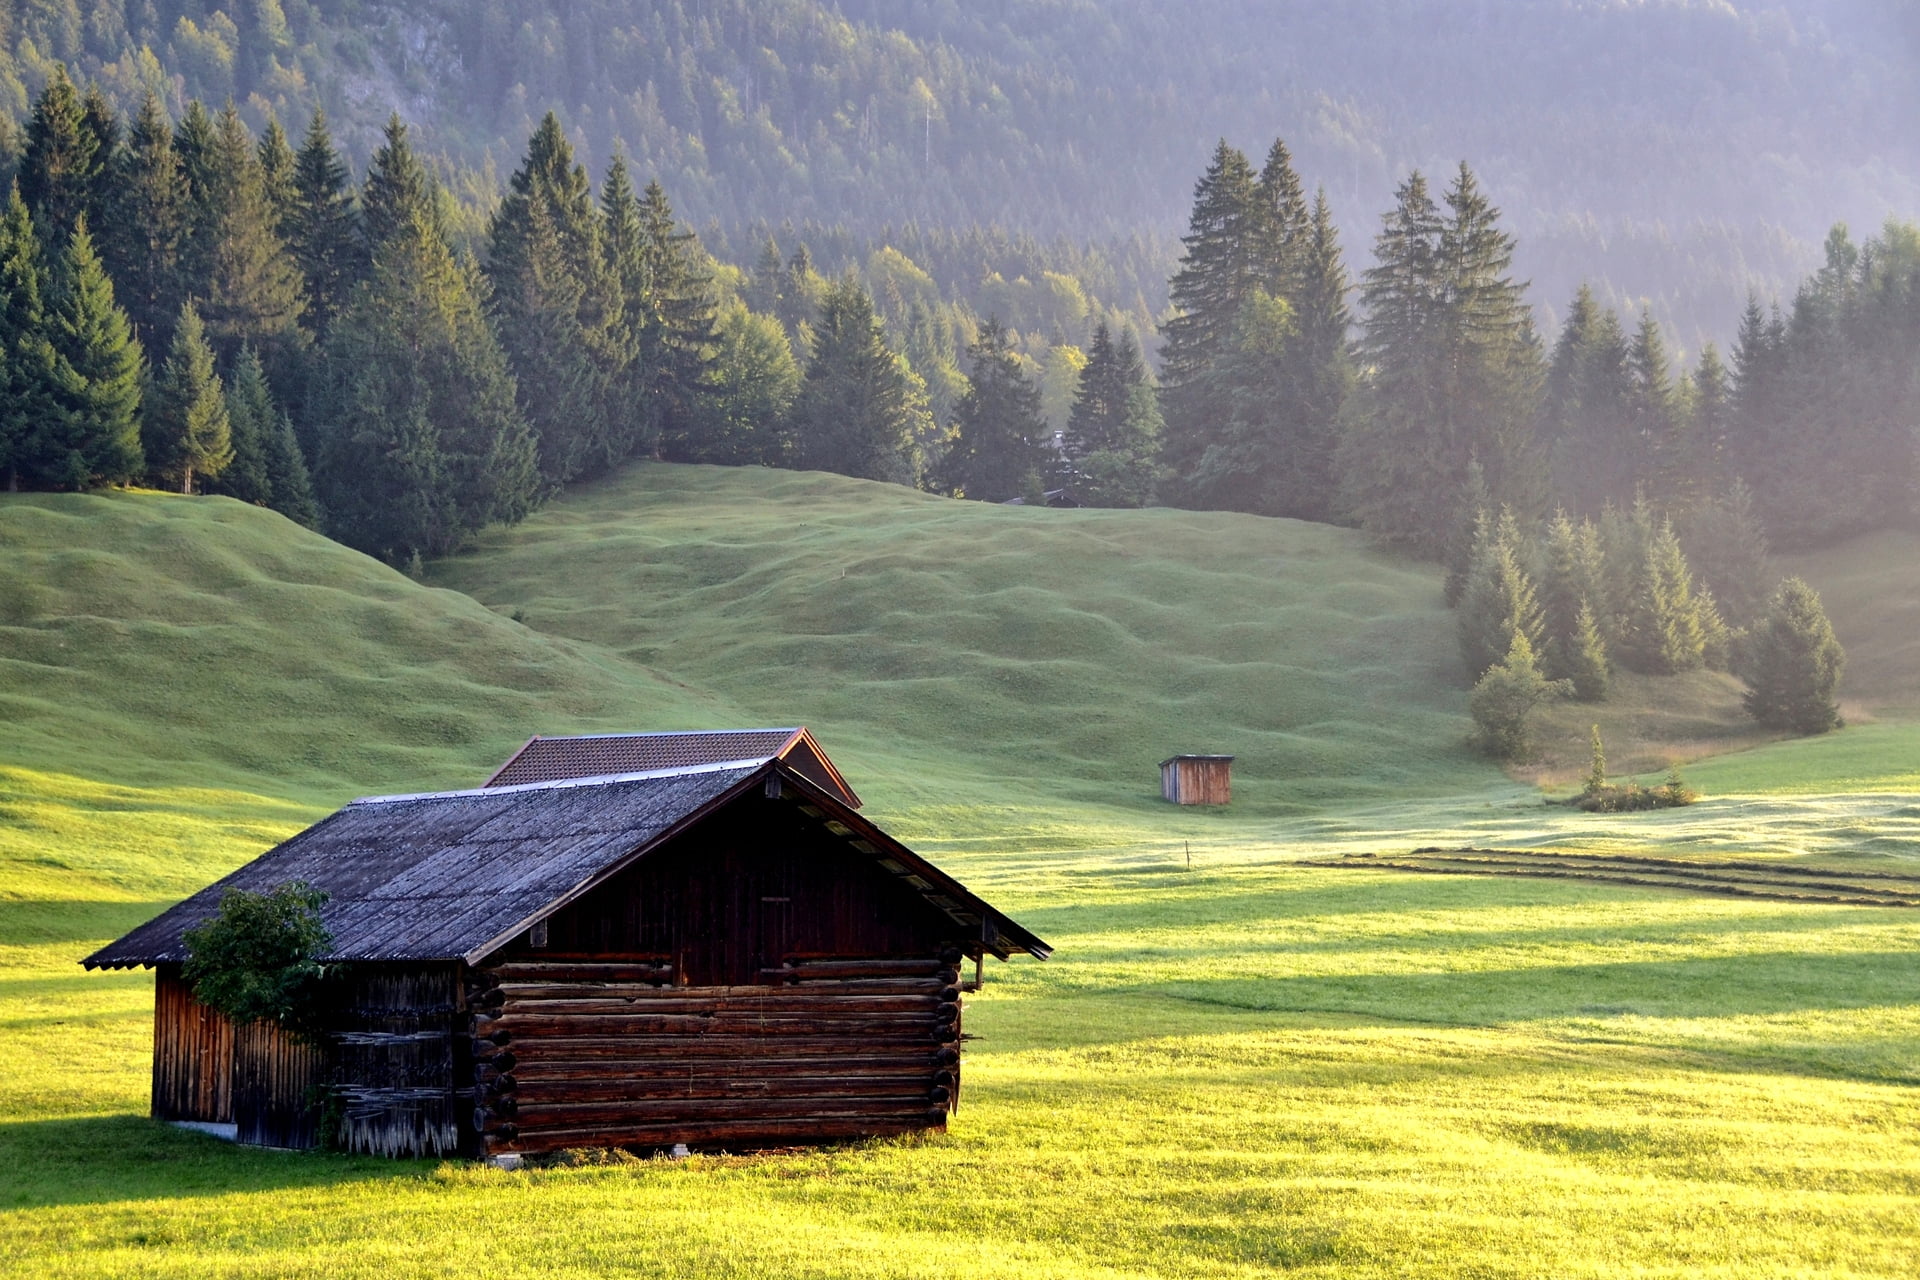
x=1754, y=984
x=104, y=1159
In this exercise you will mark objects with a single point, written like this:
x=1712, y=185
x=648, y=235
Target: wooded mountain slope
x=1673, y=151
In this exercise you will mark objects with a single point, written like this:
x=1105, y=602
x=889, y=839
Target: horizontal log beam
x=764, y=1133
x=528, y=1028
x=727, y=1067
x=652, y=1048
x=773, y=1001
x=537, y=1115
x=575, y=971
x=544, y=1093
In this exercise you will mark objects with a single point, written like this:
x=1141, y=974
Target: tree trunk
x=186, y=481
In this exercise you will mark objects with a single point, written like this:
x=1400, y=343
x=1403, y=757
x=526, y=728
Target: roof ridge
x=659, y=733
x=718, y=766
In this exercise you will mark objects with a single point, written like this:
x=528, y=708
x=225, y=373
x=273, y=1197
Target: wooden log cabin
x=721, y=955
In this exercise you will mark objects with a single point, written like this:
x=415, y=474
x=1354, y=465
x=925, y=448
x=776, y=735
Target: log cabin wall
x=192, y=1054
x=399, y=1060
x=754, y=981
x=1190, y=780
x=585, y=1054
x=278, y=1079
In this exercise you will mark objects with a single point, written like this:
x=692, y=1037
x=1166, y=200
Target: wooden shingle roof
x=597, y=755
x=456, y=875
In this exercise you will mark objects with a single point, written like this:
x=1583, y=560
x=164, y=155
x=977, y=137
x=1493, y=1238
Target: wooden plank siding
x=1197, y=779
x=277, y=1084
x=818, y=1049
x=192, y=1054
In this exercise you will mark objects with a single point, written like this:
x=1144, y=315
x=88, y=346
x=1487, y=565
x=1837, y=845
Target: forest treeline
x=1671, y=152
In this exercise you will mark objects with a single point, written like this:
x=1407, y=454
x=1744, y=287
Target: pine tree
x=63, y=167
x=322, y=228
x=1586, y=415
x=999, y=449
x=1112, y=432
x=1219, y=269
x=1322, y=378
x=859, y=412
x=1658, y=431
x=1792, y=664
x=424, y=442
x=767, y=282
x=98, y=431
x=1499, y=602
x=1504, y=699
x=251, y=420
x=553, y=302
x=277, y=164
x=1247, y=462
x=1663, y=631
x=1726, y=545
x=1284, y=228
x=398, y=193
x=1571, y=580
x=1586, y=663
x=32, y=375
x=186, y=430
x=1707, y=460
x=675, y=340
x=207, y=186
x=287, y=477
x=254, y=291
x=142, y=241
x=1474, y=514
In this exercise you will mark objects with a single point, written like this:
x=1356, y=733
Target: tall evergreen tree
x=186, y=431
x=1588, y=423
x=753, y=385
x=62, y=169
x=554, y=304
x=1454, y=371
x=1499, y=602
x=321, y=227
x=424, y=442
x=675, y=336
x=251, y=420
x=1219, y=269
x=207, y=185
x=1000, y=445
x=1112, y=432
x=1572, y=584
x=141, y=243
x=32, y=376
x=254, y=291
x=1726, y=544
x=1710, y=410
x=1664, y=632
x=1654, y=410
x=96, y=439
x=1793, y=664
x=1284, y=228
x=859, y=412
x=277, y=174
x=398, y=192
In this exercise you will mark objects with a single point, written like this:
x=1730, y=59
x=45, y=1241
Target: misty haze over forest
x=1677, y=153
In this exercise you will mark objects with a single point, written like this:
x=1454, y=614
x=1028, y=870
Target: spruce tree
x=1499, y=602
x=1220, y=267
x=1113, y=429
x=424, y=442
x=1708, y=444
x=1726, y=545
x=98, y=431
x=1474, y=512
x=277, y=164
x=251, y=420
x=33, y=379
x=553, y=303
x=1586, y=415
x=859, y=412
x=1322, y=379
x=186, y=432
x=62, y=169
x=675, y=341
x=287, y=477
x=623, y=241
x=1792, y=664
x=254, y=291
x=1585, y=664
x=1571, y=580
x=322, y=227
x=1653, y=408
x=207, y=185
x=142, y=241
x=1663, y=629
x=398, y=193
x=1000, y=441
x=1284, y=227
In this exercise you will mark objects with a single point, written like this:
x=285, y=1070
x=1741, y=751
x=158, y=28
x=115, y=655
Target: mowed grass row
x=1243, y=1069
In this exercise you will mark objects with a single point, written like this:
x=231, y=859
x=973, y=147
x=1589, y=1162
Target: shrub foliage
x=258, y=958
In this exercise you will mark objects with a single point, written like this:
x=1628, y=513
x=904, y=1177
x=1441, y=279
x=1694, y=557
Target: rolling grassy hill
x=1242, y=1067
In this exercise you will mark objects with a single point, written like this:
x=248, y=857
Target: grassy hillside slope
x=998, y=653
x=147, y=639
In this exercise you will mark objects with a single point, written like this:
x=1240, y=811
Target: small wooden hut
x=716, y=955
x=1197, y=779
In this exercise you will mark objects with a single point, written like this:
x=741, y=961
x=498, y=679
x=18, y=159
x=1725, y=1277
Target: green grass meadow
x=1235, y=1065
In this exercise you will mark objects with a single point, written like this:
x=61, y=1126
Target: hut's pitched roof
x=456, y=875
x=595, y=755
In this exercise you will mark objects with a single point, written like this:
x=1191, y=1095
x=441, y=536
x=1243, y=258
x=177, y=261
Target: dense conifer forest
x=404, y=349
